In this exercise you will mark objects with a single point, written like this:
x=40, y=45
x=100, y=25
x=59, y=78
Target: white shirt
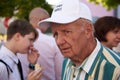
x=11, y=59
x=50, y=58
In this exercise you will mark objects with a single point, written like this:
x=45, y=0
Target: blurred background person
x=50, y=56
x=107, y=30
x=38, y=14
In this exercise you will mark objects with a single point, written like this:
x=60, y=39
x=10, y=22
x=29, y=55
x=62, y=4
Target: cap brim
x=60, y=20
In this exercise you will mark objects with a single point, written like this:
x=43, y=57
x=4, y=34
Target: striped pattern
x=106, y=66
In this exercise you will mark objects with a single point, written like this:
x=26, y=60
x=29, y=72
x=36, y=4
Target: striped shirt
x=102, y=64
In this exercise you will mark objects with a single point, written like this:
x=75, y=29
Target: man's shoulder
x=3, y=66
x=111, y=57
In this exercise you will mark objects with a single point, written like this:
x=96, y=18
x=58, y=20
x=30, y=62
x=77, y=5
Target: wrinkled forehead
x=65, y=27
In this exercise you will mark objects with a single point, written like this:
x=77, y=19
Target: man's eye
x=31, y=40
x=66, y=32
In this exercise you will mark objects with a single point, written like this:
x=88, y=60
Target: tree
x=108, y=4
x=21, y=8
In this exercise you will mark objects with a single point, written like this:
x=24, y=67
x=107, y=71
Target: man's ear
x=17, y=36
x=89, y=30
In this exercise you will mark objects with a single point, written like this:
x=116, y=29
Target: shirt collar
x=91, y=58
x=9, y=53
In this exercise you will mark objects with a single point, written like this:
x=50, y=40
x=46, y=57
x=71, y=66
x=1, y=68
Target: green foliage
x=108, y=4
x=21, y=8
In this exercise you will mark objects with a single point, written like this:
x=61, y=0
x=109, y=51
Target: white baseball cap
x=68, y=11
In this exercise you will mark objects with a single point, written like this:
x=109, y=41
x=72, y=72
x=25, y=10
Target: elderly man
x=85, y=57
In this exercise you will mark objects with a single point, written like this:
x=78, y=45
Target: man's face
x=70, y=38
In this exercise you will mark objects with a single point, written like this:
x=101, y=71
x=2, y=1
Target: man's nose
x=60, y=40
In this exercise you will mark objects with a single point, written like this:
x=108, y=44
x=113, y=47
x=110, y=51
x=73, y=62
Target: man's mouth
x=65, y=50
